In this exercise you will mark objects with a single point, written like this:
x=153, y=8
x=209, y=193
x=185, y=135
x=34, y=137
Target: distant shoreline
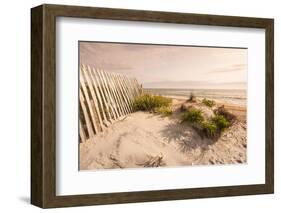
x=235, y=97
x=219, y=102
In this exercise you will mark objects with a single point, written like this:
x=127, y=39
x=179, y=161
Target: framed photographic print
x=135, y=106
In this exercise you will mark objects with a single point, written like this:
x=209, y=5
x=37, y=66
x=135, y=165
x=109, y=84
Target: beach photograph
x=160, y=105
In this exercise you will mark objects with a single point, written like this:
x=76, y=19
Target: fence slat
x=110, y=94
x=116, y=98
x=120, y=93
x=132, y=86
x=137, y=86
x=100, y=87
x=86, y=115
x=124, y=92
x=102, y=108
x=94, y=97
x=107, y=97
x=129, y=89
x=127, y=83
x=82, y=132
x=89, y=102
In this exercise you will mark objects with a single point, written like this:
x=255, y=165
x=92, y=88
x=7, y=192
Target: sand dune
x=145, y=139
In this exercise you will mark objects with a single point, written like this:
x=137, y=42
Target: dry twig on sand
x=115, y=161
x=154, y=161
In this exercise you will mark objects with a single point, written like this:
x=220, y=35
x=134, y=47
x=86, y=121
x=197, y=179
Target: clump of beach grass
x=211, y=128
x=164, y=110
x=221, y=122
x=225, y=113
x=153, y=103
x=208, y=103
x=191, y=97
x=193, y=116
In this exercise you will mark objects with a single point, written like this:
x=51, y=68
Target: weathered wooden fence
x=105, y=97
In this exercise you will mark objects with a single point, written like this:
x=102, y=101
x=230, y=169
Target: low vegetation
x=208, y=103
x=191, y=97
x=221, y=122
x=225, y=113
x=193, y=116
x=153, y=103
x=164, y=110
x=211, y=128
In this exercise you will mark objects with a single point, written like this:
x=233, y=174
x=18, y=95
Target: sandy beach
x=143, y=139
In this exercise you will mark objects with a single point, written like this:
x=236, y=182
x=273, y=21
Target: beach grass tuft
x=193, y=116
x=211, y=128
x=208, y=103
x=164, y=110
x=225, y=113
x=150, y=103
x=221, y=122
x=191, y=97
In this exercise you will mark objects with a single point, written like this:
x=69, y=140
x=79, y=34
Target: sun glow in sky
x=170, y=66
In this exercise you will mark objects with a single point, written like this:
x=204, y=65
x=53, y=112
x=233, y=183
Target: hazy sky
x=170, y=66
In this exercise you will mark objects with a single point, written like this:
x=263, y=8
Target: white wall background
x=15, y=105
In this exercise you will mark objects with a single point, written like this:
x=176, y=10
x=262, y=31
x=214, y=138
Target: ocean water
x=238, y=97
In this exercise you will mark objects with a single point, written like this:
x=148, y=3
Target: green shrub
x=221, y=122
x=164, y=110
x=193, y=115
x=209, y=128
x=149, y=102
x=208, y=103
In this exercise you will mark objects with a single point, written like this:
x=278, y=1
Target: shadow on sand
x=185, y=137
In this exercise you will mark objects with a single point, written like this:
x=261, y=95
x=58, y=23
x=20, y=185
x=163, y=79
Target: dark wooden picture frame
x=43, y=105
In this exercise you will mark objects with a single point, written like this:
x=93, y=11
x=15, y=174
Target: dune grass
x=193, y=116
x=164, y=110
x=153, y=103
x=191, y=97
x=211, y=128
x=221, y=122
x=208, y=103
x=225, y=113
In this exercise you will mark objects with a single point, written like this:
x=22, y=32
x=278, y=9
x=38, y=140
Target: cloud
x=232, y=68
x=165, y=62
